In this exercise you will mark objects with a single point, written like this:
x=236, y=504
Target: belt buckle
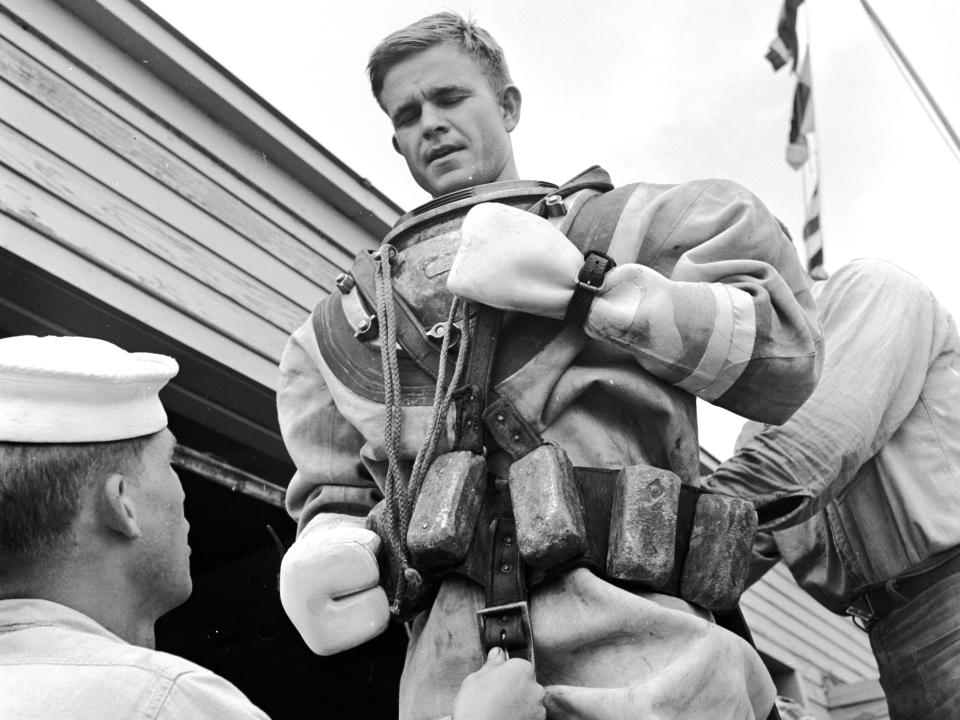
x=509, y=627
x=863, y=619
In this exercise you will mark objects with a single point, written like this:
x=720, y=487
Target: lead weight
x=547, y=508
x=721, y=542
x=444, y=518
x=643, y=522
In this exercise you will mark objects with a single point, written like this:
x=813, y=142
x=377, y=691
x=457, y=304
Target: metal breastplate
x=427, y=239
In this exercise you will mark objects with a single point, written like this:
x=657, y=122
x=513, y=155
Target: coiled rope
x=400, y=494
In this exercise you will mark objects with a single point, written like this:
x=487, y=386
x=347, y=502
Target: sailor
x=93, y=549
x=510, y=383
x=93, y=539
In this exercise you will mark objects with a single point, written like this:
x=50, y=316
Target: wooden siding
x=824, y=649
x=113, y=179
x=859, y=701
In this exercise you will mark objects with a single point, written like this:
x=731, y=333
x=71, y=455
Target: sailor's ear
x=396, y=145
x=510, y=101
x=116, y=507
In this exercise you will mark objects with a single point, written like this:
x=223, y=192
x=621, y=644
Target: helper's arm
x=881, y=330
x=765, y=555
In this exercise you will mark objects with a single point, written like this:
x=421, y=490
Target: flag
x=801, y=122
x=801, y=153
x=812, y=239
x=784, y=46
x=778, y=54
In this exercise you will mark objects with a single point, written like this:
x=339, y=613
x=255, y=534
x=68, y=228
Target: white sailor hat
x=77, y=389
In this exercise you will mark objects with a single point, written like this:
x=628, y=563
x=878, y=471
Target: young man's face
x=449, y=124
x=165, y=551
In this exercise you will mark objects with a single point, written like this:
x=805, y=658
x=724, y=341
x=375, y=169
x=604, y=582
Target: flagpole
x=902, y=59
x=811, y=233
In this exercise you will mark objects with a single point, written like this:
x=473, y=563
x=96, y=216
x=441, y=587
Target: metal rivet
x=500, y=417
x=555, y=206
x=506, y=567
x=516, y=437
x=508, y=541
x=345, y=282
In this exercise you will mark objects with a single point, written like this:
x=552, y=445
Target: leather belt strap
x=596, y=489
x=494, y=563
x=873, y=605
x=589, y=281
x=508, y=428
x=471, y=397
x=593, y=178
x=505, y=619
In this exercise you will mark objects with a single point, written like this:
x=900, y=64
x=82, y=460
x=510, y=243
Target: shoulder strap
x=593, y=178
x=478, y=407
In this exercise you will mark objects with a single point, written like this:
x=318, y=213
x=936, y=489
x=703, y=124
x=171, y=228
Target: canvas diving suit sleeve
x=709, y=294
x=324, y=446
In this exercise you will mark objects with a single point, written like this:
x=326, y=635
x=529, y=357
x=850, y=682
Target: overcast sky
x=655, y=91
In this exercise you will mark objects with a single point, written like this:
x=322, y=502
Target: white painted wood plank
x=166, y=248
x=32, y=243
x=96, y=244
x=136, y=145
x=141, y=194
x=779, y=587
x=806, y=640
x=168, y=103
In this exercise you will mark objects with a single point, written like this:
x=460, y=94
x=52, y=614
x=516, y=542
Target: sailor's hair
x=42, y=486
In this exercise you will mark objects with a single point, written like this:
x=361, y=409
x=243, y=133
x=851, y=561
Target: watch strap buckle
x=590, y=279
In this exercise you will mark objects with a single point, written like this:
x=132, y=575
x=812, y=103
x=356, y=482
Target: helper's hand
x=501, y=690
x=329, y=584
x=514, y=260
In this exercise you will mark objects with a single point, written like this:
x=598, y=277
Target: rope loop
x=400, y=493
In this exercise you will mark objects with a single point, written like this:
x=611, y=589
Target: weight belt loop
x=505, y=620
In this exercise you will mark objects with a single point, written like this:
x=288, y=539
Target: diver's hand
x=329, y=584
x=514, y=260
